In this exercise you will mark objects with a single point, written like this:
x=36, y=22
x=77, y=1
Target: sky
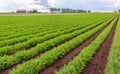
x=43, y=5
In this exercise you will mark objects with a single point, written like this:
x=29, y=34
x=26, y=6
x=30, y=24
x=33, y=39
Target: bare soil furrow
x=56, y=66
x=99, y=61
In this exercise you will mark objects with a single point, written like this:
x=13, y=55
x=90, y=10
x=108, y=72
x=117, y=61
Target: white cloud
x=113, y=3
x=13, y=5
x=54, y=3
x=96, y=5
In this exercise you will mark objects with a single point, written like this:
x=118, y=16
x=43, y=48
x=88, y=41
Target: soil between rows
x=61, y=62
x=83, y=45
x=28, y=48
x=99, y=61
x=6, y=70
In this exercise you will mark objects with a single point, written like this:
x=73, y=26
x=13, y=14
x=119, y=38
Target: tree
x=115, y=11
x=89, y=11
x=68, y=10
x=34, y=11
x=55, y=10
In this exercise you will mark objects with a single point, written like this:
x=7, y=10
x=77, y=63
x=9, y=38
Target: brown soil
x=5, y=71
x=99, y=61
x=28, y=48
x=56, y=66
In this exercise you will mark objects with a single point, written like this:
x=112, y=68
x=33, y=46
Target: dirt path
x=56, y=66
x=97, y=64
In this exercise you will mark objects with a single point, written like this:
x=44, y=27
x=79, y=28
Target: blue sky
x=94, y=5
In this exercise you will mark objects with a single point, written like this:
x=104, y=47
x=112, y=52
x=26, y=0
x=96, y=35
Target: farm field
x=60, y=44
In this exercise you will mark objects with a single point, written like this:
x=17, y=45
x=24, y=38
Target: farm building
x=21, y=11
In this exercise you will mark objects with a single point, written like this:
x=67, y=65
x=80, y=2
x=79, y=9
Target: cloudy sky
x=94, y=5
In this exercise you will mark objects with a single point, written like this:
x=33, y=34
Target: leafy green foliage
x=48, y=33
x=79, y=62
x=34, y=41
x=47, y=45
x=113, y=66
x=53, y=55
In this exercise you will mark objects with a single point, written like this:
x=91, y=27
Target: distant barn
x=21, y=11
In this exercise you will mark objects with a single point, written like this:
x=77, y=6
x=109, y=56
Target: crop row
x=19, y=31
x=16, y=35
x=28, y=37
x=34, y=66
x=79, y=62
x=36, y=40
x=23, y=31
x=47, y=45
x=31, y=32
x=29, y=43
x=27, y=26
x=24, y=38
x=113, y=66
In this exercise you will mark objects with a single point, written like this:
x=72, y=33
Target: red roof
x=21, y=10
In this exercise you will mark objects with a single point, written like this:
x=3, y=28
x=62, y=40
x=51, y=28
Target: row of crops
x=79, y=62
x=113, y=66
x=33, y=43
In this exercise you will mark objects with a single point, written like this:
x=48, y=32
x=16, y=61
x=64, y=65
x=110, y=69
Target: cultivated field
x=60, y=44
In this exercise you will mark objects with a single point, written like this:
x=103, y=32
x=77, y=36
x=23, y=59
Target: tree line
x=68, y=10
x=117, y=11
